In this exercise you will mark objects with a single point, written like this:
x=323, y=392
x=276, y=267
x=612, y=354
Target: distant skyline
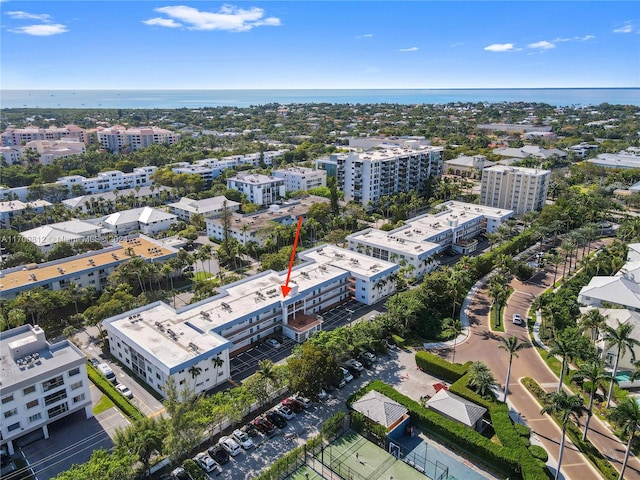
x=318, y=45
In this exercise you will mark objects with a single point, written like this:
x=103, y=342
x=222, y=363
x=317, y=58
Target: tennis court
x=353, y=457
x=305, y=473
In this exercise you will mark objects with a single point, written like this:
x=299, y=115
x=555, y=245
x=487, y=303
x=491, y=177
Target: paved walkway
x=482, y=344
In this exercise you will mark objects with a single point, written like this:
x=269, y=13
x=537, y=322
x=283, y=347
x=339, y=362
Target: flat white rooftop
x=410, y=245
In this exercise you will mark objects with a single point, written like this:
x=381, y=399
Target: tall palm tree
x=566, y=348
x=627, y=416
x=453, y=327
x=594, y=321
x=217, y=363
x=594, y=373
x=566, y=407
x=498, y=291
x=619, y=338
x=512, y=345
x=195, y=372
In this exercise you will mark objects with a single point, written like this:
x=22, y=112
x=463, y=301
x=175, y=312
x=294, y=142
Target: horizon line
x=307, y=89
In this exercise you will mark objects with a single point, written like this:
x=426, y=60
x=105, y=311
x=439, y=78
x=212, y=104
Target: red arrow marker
x=286, y=288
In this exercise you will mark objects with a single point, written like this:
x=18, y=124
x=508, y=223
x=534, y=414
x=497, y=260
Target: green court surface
x=353, y=457
x=304, y=473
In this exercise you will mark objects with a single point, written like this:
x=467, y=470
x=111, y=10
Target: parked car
x=285, y=411
x=108, y=372
x=368, y=356
x=277, y=419
x=349, y=364
x=293, y=404
x=390, y=344
x=207, y=463
x=94, y=361
x=353, y=370
x=230, y=445
x=322, y=395
x=181, y=474
x=346, y=375
x=517, y=319
x=306, y=403
x=219, y=454
x=243, y=439
x=265, y=426
x=124, y=390
x=250, y=430
x=272, y=342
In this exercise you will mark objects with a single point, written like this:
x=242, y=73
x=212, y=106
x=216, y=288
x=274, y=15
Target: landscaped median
x=595, y=457
x=514, y=458
x=106, y=387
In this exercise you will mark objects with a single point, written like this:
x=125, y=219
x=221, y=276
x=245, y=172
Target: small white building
x=466, y=166
x=208, y=207
x=46, y=236
x=259, y=189
x=301, y=178
x=456, y=408
x=145, y=219
x=41, y=383
x=11, y=155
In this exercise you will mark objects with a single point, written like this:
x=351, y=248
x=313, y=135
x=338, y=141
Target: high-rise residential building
x=367, y=176
x=301, y=178
x=118, y=138
x=42, y=382
x=19, y=136
x=515, y=188
x=259, y=189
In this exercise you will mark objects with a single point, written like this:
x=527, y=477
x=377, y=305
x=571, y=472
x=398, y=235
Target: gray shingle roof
x=379, y=408
x=457, y=408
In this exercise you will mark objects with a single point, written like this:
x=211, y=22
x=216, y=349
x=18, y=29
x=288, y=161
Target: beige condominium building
x=515, y=188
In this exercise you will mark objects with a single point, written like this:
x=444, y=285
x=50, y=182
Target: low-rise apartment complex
x=41, y=383
x=157, y=342
x=259, y=189
x=14, y=208
x=515, y=188
x=111, y=180
x=301, y=178
x=208, y=207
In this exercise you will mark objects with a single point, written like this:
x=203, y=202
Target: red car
x=264, y=425
x=293, y=404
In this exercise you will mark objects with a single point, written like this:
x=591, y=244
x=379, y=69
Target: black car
x=352, y=370
x=277, y=419
x=219, y=454
x=250, y=430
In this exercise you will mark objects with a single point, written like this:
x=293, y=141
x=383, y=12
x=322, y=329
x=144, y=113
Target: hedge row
x=289, y=460
x=574, y=433
x=123, y=403
x=438, y=367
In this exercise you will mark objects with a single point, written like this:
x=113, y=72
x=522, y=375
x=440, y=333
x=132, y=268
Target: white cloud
x=229, y=18
x=162, y=22
x=543, y=45
x=45, y=30
x=500, y=47
x=410, y=49
x=20, y=15
x=626, y=28
x=585, y=38
x=456, y=44
x=366, y=35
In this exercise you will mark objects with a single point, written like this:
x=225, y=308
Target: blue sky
x=328, y=44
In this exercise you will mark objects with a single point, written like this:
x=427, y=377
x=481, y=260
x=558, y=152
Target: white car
x=272, y=342
x=205, y=462
x=230, y=445
x=346, y=375
x=306, y=403
x=124, y=390
x=243, y=439
x=285, y=411
x=354, y=364
x=517, y=319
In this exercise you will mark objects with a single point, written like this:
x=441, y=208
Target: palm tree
x=453, y=327
x=481, y=379
x=594, y=321
x=619, y=338
x=566, y=407
x=512, y=345
x=594, y=373
x=141, y=439
x=566, y=348
x=217, y=363
x=195, y=371
x=498, y=292
x=627, y=416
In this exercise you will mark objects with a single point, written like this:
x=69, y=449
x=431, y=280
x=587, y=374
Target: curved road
x=483, y=344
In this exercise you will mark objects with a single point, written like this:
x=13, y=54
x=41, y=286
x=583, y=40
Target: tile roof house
x=457, y=408
x=381, y=409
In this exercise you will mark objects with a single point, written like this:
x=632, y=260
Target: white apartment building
x=11, y=155
x=87, y=269
x=41, y=383
x=208, y=207
x=211, y=168
x=14, y=208
x=111, y=180
x=254, y=227
x=301, y=178
x=365, y=177
x=118, y=138
x=417, y=243
x=157, y=341
x=367, y=143
x=259, y=189
x=92, y=203
x=515, y=188
x=147, y=220
x=46, y=236
x=14, y=137
x=49, y=150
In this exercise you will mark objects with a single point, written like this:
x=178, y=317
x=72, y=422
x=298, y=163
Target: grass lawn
x=202, y=275
x=500, y=315
x=103, y=404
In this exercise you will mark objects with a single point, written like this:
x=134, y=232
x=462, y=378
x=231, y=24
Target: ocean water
x=245, y=98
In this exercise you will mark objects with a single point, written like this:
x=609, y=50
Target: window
x=28, y=390
x=32, y=403
x=55, y=397
x=7, y=399
x=75, y=386
x=10, y=413
x=36, y=417
x=53, y=383
x=13, y=427
x=58, y=410
x=79, y=398
x=75, y=371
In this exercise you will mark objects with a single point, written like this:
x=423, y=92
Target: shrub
x=123, y=403
x=433, y=364
x=522, y=430
x=539, y=453
x=194, y=470
x=399, y=341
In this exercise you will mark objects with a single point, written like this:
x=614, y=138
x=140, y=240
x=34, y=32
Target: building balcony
x=302, y=322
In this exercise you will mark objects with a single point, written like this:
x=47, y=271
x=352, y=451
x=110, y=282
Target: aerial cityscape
x=319, y=240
